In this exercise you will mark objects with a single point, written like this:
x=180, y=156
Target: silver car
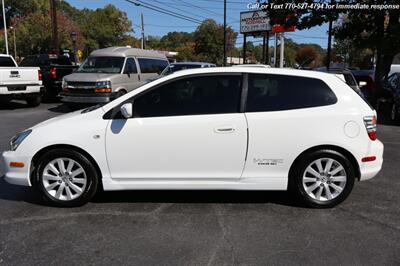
x=109, y=73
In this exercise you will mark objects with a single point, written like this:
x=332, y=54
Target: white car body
x=243, y=151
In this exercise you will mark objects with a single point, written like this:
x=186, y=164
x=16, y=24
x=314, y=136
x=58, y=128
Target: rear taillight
x=40, y=74
x=53, y=73
x=370, y=126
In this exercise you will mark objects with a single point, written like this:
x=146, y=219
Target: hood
x=66, y=118
x=58, y=118
x=89, y=77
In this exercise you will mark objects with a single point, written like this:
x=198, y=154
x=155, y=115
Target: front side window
x=191, y=96
x=130, y=66
x=148, y=65
x=102, y=64
x=280, y=92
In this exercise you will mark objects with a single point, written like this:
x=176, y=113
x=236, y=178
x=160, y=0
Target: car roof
x=255, y=70
x=127, y=51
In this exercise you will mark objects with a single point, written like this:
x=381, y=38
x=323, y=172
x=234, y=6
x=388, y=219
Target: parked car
x=173, y=67
x=366, y=81
x=345, y=75
x=234, y=128
x=54, y=67
x=19, y=82
x=253, y=65
x=109, y=73
x=394, y=68
x=177, y=66
x=390, y=96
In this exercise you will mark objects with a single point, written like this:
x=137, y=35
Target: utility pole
x=224, y=64
x=143, y=46
x=267, y=50
x=244, y=49
x=15, y=44
x=275, y=47
x=54, y=27
x=5, y=25
x=328, y=56
x=282, y=53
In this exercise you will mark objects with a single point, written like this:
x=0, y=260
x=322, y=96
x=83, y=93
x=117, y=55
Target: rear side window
x=280, y=92
x=6, y=61
x=191, y=96
x=148, y=65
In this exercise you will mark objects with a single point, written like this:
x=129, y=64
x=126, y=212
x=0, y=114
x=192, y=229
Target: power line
x=167, y=12
x=165, y=4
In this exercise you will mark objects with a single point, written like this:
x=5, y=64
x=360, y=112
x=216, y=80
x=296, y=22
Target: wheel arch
x=341, y=150
x=41, y=152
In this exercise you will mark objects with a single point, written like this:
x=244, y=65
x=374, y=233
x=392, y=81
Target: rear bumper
x=369, y=170
x=16, y=176
x=87, y=98
x=30, y=89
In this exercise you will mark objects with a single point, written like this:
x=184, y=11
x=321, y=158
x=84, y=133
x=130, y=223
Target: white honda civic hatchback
x=217, y=128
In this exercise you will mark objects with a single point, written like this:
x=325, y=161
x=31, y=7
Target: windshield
x=103, y=64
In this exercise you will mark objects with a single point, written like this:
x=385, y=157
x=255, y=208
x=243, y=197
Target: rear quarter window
x=283, y=92
x=149, y=65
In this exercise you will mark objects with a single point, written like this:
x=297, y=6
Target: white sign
x=254, y=21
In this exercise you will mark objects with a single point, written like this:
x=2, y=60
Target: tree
x=104, y=27
x=33, y=35
x=306, y=55
x=209, y=39
x=375, y=29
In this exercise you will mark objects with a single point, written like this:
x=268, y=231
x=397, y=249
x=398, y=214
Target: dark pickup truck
x=54, y=67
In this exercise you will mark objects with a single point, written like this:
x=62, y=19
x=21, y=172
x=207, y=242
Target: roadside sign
x=79, y=53
x=254, y=21
x=280, y=28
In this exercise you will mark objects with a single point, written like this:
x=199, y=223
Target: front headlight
x=17, y=139
x=103, y=84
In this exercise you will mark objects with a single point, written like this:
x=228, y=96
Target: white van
x=109, y=73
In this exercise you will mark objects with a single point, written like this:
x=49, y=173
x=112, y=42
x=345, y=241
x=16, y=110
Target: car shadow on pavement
x=30, y=195
x=61, y=108
x=19, y=193
x=12, y=105
x=197, y=196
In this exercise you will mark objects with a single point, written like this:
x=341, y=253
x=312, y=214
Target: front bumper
x=14, y=175
x=369, y=170
x=87, y=98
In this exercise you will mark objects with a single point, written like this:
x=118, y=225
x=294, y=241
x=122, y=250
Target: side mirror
x=127, y=110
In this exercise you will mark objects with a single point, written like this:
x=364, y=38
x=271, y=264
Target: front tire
x=322, y=179
x=394, y=113
x=66, y=178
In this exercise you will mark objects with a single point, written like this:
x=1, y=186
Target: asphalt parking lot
x=199, y=227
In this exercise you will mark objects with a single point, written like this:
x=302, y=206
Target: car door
x=130, y=75
x=189, y=128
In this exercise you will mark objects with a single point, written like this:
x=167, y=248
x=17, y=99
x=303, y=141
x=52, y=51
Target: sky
x=158, y=24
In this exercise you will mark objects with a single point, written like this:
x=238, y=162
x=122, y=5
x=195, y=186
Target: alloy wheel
x=64, y=179
x=324, y=179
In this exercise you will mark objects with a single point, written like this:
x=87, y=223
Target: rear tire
x=34, y=101
x=66, y=178
x=322, y=179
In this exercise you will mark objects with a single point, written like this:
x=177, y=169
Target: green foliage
x=208, y=39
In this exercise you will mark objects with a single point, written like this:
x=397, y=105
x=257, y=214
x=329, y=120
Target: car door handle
x=225, y=130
